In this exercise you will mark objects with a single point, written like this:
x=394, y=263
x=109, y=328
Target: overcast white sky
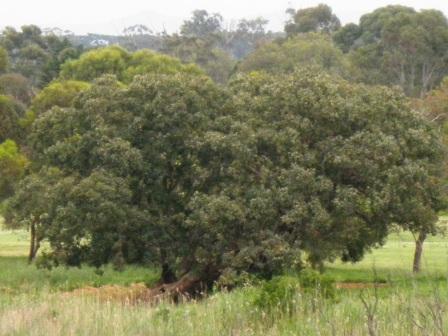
x=110, y=16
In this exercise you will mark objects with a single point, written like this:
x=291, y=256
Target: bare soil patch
x=360, y=285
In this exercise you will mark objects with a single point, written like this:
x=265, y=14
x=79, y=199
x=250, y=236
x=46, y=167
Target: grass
x=16, y=276
x=35, y=302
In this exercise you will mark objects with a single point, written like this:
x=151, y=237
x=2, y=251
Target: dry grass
x=81, y=302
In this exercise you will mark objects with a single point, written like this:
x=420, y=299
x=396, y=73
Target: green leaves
x=12, y=167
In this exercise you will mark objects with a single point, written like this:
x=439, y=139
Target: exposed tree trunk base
x=418, y=252
x=187, y=287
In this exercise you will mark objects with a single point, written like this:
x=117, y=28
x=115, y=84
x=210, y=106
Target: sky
x=111, y=16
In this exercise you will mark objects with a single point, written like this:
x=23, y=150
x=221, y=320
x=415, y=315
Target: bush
x=281, y=291
x=312, y=281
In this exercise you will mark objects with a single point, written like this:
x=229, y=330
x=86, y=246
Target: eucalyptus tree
x=397, y=45
x=302, y=50
x=319, y=19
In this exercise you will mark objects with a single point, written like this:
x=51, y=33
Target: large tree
x=206, y=183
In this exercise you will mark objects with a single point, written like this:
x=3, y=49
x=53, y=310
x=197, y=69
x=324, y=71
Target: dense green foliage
x=59, y=93
x=118, y=62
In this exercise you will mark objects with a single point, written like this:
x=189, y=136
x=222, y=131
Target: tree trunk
x=419, y=251
x=31, y=254
x=34, y=243
x=168, y=276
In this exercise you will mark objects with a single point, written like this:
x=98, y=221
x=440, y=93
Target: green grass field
x=35, y=301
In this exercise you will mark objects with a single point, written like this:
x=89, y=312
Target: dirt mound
x=133, y=294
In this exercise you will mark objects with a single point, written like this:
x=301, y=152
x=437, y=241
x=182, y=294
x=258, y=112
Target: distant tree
x=12, y=168
x=435, y=104
x=318, y=19
x=138, y=29
x=4, y=61
x=246, y=37
x=17, y=87
x=202, y=24
x=29, y=207
x=397, y=45
x=204, y=52
x=346, y=38
x=303, y=50
x=34, y=55
x=10, y=113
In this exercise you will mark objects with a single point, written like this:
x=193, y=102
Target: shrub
x=281, y=292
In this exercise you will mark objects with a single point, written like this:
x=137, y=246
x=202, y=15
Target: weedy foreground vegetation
x=42, y=302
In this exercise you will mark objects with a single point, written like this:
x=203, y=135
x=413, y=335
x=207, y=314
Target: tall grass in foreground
x=398, y=312
x=35, y=301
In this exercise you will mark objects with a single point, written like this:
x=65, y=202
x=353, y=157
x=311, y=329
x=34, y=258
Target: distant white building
x=99, y=43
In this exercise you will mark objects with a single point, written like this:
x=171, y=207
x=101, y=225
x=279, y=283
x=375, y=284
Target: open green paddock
x=35, y=301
